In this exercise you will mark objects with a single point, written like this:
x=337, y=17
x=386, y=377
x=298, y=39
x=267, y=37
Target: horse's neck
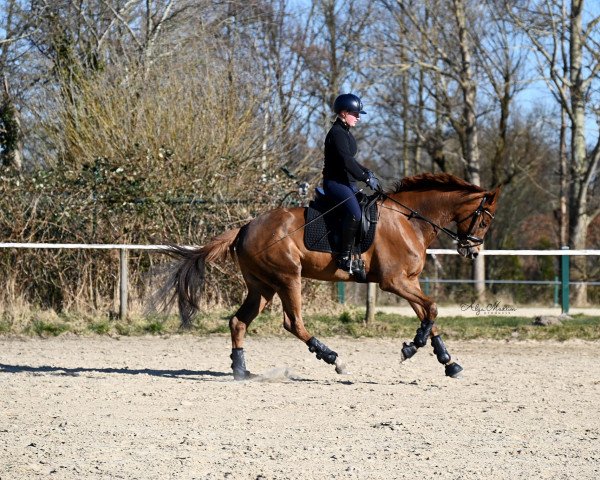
x=438, y=207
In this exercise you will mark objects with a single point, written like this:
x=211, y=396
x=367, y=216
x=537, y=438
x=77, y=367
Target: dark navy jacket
x=340, y=149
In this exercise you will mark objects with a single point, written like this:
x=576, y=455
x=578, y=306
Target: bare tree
x=444, y=29
x=332, y=55
x=502, y=59
x=555, y=27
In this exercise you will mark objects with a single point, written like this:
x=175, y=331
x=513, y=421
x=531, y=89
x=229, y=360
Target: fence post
x=564, y=272
x=341, y=292
x=371, y=301
x=123, y=283
x=556, y=288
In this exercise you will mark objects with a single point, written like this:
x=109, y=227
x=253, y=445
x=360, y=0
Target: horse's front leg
x=429, y=329
x=426, y=310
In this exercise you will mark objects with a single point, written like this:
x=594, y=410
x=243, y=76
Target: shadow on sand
x=184, y=373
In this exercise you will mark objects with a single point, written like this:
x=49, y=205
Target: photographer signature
x=491, y=308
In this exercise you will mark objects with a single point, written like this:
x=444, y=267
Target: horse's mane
x=437, y=181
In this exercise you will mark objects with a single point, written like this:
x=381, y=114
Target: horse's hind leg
x=292, y=321
x=256, y=300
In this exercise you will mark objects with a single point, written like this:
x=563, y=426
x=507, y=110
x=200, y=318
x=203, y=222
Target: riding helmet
x=348, y=102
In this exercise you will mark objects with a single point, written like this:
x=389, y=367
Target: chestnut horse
x=272, y=257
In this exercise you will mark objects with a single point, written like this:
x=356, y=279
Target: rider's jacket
x=340, y=149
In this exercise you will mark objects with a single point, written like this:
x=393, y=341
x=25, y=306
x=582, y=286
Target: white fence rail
x=563, y=253
x=431, y=251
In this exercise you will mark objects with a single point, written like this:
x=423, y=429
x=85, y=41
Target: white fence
x=563, y=253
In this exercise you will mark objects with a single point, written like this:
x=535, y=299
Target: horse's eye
x=483, y=224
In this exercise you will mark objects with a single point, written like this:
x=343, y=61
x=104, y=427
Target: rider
x=341, y=171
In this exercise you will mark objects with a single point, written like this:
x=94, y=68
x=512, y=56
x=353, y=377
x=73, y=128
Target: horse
x=272, y=258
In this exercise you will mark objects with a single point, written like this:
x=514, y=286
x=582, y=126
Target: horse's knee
x=433, y=311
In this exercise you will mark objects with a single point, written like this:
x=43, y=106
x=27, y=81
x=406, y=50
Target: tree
x=332, y=55
x=11, y=137
x=554, y=28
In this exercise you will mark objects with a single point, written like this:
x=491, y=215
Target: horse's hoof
x=340, y=367
x=453, y=370
x=242, y=375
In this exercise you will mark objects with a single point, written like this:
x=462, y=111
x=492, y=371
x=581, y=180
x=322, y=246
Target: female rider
x=341, y=171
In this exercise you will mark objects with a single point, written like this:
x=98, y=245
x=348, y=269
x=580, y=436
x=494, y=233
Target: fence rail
x=123, y=249
x=430, y=251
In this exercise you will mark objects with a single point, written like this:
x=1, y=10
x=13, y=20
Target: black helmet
x=348, y=102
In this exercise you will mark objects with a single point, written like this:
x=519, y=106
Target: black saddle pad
x=323, y=234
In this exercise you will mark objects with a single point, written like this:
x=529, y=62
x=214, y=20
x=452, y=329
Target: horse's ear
x=492, y=196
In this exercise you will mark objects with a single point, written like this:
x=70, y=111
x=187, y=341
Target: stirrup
x=358, y=270
x=344, y=262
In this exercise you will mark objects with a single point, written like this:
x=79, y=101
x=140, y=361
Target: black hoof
x=241, y=375
x=408, y=350
x=453, y=370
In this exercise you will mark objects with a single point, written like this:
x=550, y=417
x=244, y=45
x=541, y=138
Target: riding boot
x=349, y=227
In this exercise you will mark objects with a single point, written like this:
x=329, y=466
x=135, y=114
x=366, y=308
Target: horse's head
x=473, y=221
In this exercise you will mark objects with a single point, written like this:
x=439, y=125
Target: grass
x=101, y=328
x=44, y=329
x=347, y=323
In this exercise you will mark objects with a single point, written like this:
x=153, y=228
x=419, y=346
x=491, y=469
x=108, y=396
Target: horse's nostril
x=475, y=254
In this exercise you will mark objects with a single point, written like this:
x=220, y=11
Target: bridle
x=468, y=236
x=464, y=240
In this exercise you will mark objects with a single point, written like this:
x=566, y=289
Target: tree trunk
x=578, y=218
x=11, y=143
x=471, y=141
x=563, y=218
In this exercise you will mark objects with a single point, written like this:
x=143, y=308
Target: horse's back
x=273, y=231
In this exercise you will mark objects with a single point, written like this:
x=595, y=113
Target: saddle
x=322, y=232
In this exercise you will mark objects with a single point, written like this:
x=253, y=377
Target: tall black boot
x=349, y=227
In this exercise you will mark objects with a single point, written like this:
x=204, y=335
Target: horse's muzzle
x=468, y=252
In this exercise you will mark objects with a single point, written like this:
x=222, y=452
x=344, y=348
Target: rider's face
x=351, y=118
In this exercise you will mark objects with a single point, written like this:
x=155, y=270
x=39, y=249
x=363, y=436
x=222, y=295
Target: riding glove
x=373, y=183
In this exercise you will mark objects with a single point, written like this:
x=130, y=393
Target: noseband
x=464, y=240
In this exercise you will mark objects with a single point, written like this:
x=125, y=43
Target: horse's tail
x=185, y=277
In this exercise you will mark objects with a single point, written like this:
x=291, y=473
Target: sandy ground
x=166, y=408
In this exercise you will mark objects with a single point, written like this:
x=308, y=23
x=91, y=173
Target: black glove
x=373, y=183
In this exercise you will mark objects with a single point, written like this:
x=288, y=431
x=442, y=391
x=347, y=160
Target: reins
x=462, y=239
